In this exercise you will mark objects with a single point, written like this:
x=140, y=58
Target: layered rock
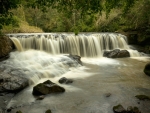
x=76, y=58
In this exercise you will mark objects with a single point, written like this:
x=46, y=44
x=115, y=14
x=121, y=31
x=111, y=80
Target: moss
x=142, y=97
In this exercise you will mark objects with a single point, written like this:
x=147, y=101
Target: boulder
x=65, y=80
x=47, y=87
x=119, y=109
x=116, y=53
x=11, y=83
x=147, y=69
x=5, y=46
x=123, y=53
x=113, y=53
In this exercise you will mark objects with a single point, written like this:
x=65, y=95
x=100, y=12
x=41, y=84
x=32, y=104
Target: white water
x=35, y=65
x=122, y=78
x=87, y=45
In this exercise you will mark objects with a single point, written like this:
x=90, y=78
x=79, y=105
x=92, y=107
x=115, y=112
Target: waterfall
x=86, y=45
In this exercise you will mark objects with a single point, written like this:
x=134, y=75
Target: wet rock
x=113, y=53
x=142, y=97
x=147, y=69
x=123, y=53
x=48, y=111
x=75, y=57
x=119, y=109
x=5, y=46
x=47, y=87
x=116, y=53
x=65, y=80
x=11, y=83
x=131, y=109
x=9, y=109
x=40, y=97
x=18, y=112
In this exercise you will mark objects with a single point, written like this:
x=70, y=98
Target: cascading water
x=98, y=85
x=90, y=45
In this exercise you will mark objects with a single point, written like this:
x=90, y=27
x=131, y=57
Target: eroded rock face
x=11, y=83
x=116, y=53
x=47, y=87
x=147, y=69
x=5, y=46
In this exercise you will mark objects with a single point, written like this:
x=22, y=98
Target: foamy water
x=123, y=78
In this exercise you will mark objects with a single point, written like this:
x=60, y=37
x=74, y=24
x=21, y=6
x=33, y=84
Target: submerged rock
x=147, y=69
x=119, y=109
x=142, y=97
x=11, y=83
x=116, y=53
x=65, y=80
x=131, y=109
x=47, y=87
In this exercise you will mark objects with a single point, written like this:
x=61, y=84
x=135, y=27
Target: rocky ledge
x=116, y=53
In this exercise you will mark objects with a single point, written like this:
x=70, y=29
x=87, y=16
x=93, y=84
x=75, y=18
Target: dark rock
x=9, y=109
x=123, y=53
x=64, y=80
x=18, y=112
x=131, y=109
x=47, y=87
x=116, y=53
x=11, y=83
x=106, y=53
x=147, y=69
x=142, y=97
x=75, y=57
x=113, y=54
x=119, y=109
x=48, y=111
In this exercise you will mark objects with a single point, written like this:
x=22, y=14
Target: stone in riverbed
x=47, y=87
x=48, y=111
x=142, y=97
x=65, y=80
x=147, y=69
x=116, y=53
x=131, y=109
x=119, y=109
